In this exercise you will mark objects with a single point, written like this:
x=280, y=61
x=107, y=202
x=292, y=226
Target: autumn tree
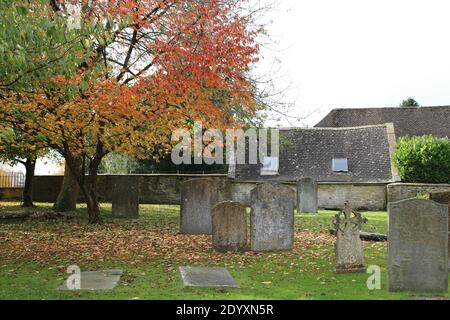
x=15, y=148
x=153, y=66
x=33, y=49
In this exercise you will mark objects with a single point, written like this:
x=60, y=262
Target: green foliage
x=115, y=163
x=410, y=102
x=423, y=159
x=13, y=149
x=36, y=45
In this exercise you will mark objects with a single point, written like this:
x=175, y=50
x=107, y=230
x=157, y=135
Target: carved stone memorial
x=349, y=247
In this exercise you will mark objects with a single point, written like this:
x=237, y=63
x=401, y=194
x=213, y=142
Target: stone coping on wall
x=431, y=185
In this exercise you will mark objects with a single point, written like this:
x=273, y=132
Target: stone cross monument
x=349, y=246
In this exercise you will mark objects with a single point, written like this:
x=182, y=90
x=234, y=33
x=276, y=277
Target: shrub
x=423, y=159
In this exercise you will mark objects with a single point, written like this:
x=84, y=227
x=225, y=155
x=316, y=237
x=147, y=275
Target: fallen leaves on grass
x=114, y=243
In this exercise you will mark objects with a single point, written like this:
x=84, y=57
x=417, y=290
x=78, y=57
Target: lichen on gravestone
x=349, y=248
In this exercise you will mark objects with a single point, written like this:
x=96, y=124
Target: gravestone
x=418, y=246
x=198, y=196
x=349, y=248
x=207, y=278
x=444, y=198
x=272, y=217
x=307, y=198
x=125, y=196
x=96, y=280
x=229, y=226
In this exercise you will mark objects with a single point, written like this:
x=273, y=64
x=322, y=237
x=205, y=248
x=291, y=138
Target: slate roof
x=309, y=153
x=407, y=121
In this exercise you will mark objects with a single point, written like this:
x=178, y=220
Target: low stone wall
x=165, y=189
x=8, y=194
x=402, y=191
x=360, y=196
x=443, y=197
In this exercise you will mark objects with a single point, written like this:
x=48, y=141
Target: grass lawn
x=35, y=253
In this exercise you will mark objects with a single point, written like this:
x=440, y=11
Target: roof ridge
x=335, y=128
x=394, y=108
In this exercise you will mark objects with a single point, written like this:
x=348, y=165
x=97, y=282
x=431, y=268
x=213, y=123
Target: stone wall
x=165, y=189
x=361, y=196
x=402, y=191
x=7, y=194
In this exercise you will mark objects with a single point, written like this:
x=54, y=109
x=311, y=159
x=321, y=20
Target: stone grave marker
x=444, y=198
x=125, y=197
x=229, y=226
x=207, y=278
x=307, y=196
x=96, y=280
x=198, y=196
x=418, y=246
x=272, y=217
x=349, y=248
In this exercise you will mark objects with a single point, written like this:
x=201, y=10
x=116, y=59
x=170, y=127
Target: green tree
x=35, y=46
x=14, y=149
x=410, y=103
x=423, y=159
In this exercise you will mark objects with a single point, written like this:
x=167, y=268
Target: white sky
x=359, y=53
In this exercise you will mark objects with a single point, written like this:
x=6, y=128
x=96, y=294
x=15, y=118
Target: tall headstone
x=198, y=196
x=349, y=247
x=444, y=198
x=418, y=246
x=125, y=197
x=307, y=198
x=272, y=217
x=229, y=226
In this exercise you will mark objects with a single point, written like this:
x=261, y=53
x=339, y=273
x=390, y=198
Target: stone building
x=349, y=164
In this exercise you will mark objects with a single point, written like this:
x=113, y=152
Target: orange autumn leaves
x=190, y=61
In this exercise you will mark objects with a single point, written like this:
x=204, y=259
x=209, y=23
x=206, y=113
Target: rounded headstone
x=229, y=226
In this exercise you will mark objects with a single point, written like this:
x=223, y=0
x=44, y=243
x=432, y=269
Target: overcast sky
x=359, y=53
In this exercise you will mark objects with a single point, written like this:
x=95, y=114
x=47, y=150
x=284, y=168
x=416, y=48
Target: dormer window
x=270, y=166
x=340, y=165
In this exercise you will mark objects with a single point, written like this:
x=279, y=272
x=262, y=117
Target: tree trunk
x=68, y=195
x=88, y=186
x=91, y=198
x=27, y=196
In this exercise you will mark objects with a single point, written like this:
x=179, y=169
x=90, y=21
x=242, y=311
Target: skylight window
x=340, y=165
x=270, y=166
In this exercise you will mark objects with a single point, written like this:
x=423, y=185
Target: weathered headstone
x=272, y=217
x=307, y=198
x=349, y=247
x=95, y=280
x=229, y=226
x=125, y=197
x=207, y=278
x=444, y=198
x=198, y=196
x=418, y=246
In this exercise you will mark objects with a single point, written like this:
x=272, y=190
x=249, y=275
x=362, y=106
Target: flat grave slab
x=97, y=280
x=207, y=278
